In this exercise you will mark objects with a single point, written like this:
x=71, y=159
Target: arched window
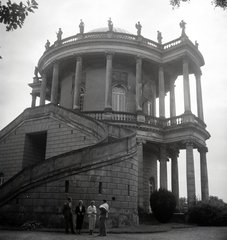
x=1, y=178
x=118, y=99
x=82, y=91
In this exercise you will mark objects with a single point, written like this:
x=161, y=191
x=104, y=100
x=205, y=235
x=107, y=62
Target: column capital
x=109, y=55
x=188, y=142
x=162, y=146
x=185, y=58
x=203, y=150
x=55, y=63
x=140, y=141
x=198, y=74
x=79, y=56
x=139, y=58
x=174, y=153
x=43, y=72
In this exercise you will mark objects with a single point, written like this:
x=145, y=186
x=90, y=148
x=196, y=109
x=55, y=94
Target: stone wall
x=44, y=203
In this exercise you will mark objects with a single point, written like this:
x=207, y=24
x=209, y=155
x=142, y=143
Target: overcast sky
x=21, y=50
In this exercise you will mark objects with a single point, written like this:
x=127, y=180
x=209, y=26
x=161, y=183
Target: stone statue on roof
x=110, y=25
x=159, y=37
x=81, y=26
x=36, y=71
x=183, y=26
x=59, y=34
x=138, y=27
x=47, y=45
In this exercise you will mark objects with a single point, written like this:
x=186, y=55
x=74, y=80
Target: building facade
x=96, y=132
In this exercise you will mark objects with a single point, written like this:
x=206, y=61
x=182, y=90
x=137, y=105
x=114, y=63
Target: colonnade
x=163, y=156
x=139, y=87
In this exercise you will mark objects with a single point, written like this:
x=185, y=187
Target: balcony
x=168, y=130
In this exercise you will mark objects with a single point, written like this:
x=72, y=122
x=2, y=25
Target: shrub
x=163, y=204
x=210, y=213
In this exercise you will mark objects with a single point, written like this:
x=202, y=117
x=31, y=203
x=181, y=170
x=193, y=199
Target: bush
x=209, y=213
x=163, y=204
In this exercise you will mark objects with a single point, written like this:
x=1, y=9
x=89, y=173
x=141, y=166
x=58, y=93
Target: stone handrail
x=155, y=121
x=172, y=43
x=182, y=119
x=116, y=116
x=117, y=35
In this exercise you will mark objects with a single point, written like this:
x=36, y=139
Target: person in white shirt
x=91, y=211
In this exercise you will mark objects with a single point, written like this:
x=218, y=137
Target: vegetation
x=217, y=3
x=163, y=204
x=13, y=15
x=210, y=213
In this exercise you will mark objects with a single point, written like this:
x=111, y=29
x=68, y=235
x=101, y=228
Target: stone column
x=190, y=172
x=43, y=89
x=172, y=97
x=154, y=101
x=140, y=143
x=54, y=87
x=204, y=174
x=33, y=100
x=163, y=167
x=77, y=83
x=161, y=92
x=108, y=92
x=199, y=97
x=175, y=178
x=139, y=84
x=187, y=100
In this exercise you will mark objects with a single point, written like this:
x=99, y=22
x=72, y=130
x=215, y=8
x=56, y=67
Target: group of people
x=80, y=213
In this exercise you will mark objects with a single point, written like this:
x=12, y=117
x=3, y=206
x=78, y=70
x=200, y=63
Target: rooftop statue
x=47, y=45
x=159, y=37
x=183, y=26
x=138, y=27
x=110, y=25
x=36, y=71
x=59, y=34
x=81, y=26
x=196, y=44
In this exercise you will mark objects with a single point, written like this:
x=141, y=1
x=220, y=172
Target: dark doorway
x=34, y=148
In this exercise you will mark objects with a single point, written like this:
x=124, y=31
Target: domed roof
x=106, y=29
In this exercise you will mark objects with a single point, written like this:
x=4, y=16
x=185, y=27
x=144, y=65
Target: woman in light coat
x=91, y=211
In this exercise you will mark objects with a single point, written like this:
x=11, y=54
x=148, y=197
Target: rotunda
x=96, y=132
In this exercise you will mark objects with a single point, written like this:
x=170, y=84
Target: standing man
x=80, y=211
x=68, y=215
x=103, y=216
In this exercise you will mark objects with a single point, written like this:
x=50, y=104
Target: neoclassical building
x=93, y=130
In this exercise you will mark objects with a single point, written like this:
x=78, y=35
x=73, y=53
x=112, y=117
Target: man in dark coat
x=68, y=215
x=80, y=211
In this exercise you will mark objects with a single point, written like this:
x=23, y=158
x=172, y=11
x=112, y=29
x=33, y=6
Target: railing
x=117, y=35
x=116, y=116
x=172, y=43
x=150, y=120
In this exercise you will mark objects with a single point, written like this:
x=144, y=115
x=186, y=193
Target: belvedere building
x=93, y=130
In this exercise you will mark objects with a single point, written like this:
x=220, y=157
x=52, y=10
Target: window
x=100, y=188
x=118, y=99
x=66, y=186
x=1, y=178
